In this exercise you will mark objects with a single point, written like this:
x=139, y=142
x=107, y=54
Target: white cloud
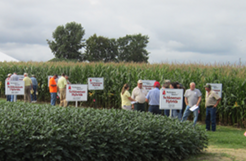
x=181, y=31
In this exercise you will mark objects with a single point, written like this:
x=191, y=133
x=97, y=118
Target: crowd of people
x=30, y=91
x=192, y=96
x=135, y=101
x=59, y=87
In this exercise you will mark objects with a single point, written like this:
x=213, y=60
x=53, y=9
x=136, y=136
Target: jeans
x=176, y=114
x=167, y=112
x=53, y=99
x=34, y=96
x=13, y=97
x=154, y=109
x=9, y=98
x=139, y=107
x=187, y=113
x=211, y=117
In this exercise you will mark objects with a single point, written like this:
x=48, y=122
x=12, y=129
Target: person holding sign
x=139, y=95
x=126, y=98
x=62, y=82
x=211, y=102
x=153, y=98
x=193, y=98
x=53, y=89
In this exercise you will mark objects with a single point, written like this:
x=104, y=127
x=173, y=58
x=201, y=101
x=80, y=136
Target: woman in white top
x=126, y=97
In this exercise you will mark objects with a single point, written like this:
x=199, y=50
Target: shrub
x=44, y=132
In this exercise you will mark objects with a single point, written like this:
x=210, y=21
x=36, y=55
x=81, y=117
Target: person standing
x=35, y=88
x=53, y=89
x=193, y=97
x=211, y=102
x=153, y=98
x=139, y=94
x=7, y=79
x=61, y=84
x=126, y=98
x=14, y=77
x=28, y=87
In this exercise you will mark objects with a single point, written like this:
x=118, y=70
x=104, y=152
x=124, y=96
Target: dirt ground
x=222, y=154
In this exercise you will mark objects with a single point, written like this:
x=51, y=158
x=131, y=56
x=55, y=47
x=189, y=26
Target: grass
x=227, y=143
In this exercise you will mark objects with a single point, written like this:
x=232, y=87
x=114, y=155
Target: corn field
x=231, y=111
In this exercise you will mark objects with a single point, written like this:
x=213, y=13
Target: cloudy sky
x=205, y=31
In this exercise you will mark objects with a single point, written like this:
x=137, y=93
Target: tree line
x=68, y=43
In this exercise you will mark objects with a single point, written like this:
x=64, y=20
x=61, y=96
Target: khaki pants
x=27, y=94
x=63, y=101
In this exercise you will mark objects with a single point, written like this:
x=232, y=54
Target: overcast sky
x=179, y=30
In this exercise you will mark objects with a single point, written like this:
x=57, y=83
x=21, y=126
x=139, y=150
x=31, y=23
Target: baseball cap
x=9, y=74
x=157, y=84
x=26, y=74
x=33, y=75
x=140, y=81
x=208, y=86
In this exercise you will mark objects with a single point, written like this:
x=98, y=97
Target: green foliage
x=63, y=60
x=117, y=74
x=132, y=48
x=68, y=41
x=99, y=48
x=44, y=132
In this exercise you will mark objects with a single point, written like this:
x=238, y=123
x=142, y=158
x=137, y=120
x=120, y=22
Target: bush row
x=44, y=132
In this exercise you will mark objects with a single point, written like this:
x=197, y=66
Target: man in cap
x=28, y=87
x=7, y=79
x=53, y=89
x=153, y=98
x=14, y=77
x=35, y=88
x=211, y=102
x=61, y=84
x=139, y=94
x=193, y=97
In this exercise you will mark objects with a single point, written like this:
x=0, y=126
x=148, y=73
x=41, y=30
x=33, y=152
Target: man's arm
x=186, y=101
x=218, y=101
x=199, y=100
x=146, y=100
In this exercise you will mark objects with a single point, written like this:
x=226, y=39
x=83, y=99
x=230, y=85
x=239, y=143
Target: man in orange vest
x=53, y=89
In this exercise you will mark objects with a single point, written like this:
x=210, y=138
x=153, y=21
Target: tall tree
x=132, y=48
x=99, y=48
x=68, y=41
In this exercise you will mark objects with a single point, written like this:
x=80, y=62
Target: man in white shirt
x=139, y=95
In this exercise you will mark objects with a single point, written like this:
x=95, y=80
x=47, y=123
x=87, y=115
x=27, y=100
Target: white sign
x=148, y=84
x=76, y=92
x=50, y=76
x=217, y=87
x=95, y=83
x=20, y=77
x=14, y=87
x=171, y=99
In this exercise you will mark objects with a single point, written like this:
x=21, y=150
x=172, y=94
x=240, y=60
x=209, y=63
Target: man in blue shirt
x=153, y=98
x=35, y=87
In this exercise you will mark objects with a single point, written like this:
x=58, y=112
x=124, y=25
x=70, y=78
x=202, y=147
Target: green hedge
x=44, y=132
